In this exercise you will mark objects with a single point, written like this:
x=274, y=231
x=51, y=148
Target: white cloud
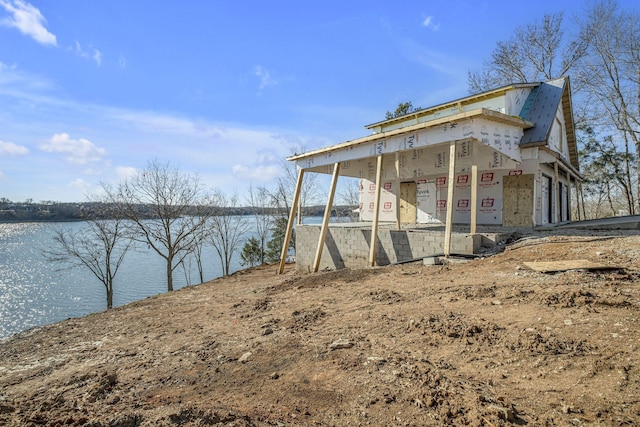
x=126, y=172
x=428, y=22
x=97, y=56
x=78, y=151
x=265, y=77
x=265, y=157
x=4, y=66
x=207, y=147
x=122, y=62
x=98, y=171
x=11, y=149
x=93, y=53
x=166, y=123
x=25, y=86
x=77, y=48
x=263, y=173
x=28, y=20
x=267, y=167
x=80, y=184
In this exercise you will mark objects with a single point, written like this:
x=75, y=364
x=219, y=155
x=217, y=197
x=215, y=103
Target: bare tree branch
x=158, y=200
x=99, y=246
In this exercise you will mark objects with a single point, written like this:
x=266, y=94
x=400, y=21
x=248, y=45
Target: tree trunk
x=584, y=211
x=638, y=189
x=169, y=274
x=110, y=295
x=628, y=181
x=610, y=200
x=637, y=144
x=227, y=261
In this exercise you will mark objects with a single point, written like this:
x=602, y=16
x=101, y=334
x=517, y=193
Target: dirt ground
x=488, y=342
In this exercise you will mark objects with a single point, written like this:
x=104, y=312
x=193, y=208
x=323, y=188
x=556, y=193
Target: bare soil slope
x=483, y=343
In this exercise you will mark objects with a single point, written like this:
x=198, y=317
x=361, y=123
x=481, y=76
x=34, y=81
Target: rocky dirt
x=482, y=343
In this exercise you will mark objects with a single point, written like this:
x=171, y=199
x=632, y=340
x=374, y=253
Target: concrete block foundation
x=348, y=246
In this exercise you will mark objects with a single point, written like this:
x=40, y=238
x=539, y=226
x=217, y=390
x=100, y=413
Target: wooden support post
x=569, y=196
x=376, y=214
x=556, y=190
x=578, y=186
x=537, y=195
x=327, y=216
x=474, y=187
x=292, y=217
x=397, y=190
x=585, y=216
x=450, y=193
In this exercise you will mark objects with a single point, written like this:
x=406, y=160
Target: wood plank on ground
x=576, y=264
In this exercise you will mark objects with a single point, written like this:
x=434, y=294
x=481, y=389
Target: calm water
x=34, y=292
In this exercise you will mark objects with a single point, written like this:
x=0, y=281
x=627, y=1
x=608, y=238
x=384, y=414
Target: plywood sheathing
x=517, y=200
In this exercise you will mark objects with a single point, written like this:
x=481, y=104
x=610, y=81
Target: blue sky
x=90, y=91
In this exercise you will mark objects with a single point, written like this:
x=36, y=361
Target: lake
x=36, y=292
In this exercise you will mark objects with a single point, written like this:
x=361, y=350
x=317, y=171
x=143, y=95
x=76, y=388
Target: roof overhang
x=567, y=109
x=462, y=126
x=564, y=164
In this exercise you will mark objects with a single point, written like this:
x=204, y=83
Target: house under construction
x=429, y=179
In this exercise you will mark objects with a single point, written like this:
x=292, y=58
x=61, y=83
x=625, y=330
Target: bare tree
x=539, y=51
x=604, y=60
x=200, y=239
x=282, y=195
x=349, y=195
x=99, y=246
x=226, y=228
x=158, y=200
x=611, y=74
x=259, y=199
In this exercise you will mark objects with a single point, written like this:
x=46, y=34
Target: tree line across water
x=51, y=211
x=170, y=212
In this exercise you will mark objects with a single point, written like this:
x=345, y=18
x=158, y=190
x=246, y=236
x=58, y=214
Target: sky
x=92, y=91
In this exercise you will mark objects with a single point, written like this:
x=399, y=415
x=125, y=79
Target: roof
x=540, y=108
x=536, y=117
x=461, y=101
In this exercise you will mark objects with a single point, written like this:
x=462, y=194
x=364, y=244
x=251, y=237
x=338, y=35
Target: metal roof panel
x=540, y=108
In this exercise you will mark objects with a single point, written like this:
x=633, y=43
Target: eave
x=478, y=113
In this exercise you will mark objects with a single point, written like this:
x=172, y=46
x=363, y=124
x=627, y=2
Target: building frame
x=505, y=157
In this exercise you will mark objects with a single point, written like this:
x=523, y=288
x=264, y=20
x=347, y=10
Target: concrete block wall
x=349, y=246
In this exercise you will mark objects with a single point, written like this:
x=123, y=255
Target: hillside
x=483, y=343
